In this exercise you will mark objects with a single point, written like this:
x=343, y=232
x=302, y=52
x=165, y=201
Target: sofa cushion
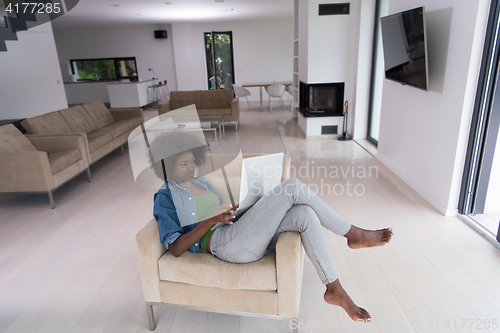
x=203, y=269
x=214, y=112
x=99, y=113
x=78, y=119
x=216, y=99
x=12, y=140
x=117, y=128
x=49, y=123
x=179, y=99
x=62, y=160
x=98, y=139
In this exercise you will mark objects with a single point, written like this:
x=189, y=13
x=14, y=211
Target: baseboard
x=442, y=209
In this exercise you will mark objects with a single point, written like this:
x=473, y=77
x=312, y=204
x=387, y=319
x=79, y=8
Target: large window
x=219, y=54
x=105, y=69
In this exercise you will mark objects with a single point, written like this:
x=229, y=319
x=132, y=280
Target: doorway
x=219, y=56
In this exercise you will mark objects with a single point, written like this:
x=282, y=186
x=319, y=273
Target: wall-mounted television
x=405, y=48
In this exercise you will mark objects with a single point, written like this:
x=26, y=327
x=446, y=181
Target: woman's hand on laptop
x=222, y=212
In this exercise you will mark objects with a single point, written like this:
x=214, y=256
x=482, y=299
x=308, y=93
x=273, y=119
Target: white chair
x=289, y=90
x=239, y=91
x=212, y=82
x=275, y=91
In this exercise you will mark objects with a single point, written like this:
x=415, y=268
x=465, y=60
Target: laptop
x=259, y=175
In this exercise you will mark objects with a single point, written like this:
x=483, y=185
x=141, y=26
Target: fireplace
x=321, y=99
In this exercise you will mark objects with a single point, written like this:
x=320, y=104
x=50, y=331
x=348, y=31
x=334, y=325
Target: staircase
x=11, y=23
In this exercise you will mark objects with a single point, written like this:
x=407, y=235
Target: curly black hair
x=170, y=145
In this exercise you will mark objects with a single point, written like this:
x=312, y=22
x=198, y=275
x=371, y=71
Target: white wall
x=333, y=48
x=111, y=42
x=423, y=134
x=30, y=79
x=260, y=50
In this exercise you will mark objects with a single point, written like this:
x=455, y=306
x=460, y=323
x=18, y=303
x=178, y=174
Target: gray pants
x=290, y=206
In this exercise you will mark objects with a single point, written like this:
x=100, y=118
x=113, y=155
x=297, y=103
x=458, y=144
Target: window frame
x=116, y=64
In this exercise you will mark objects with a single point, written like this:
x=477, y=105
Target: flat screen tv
x=405, y=48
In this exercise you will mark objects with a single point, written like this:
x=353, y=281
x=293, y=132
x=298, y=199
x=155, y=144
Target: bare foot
x=358, y=238
x=336, y=295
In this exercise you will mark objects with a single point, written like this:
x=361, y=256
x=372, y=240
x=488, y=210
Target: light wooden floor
x=74, y=269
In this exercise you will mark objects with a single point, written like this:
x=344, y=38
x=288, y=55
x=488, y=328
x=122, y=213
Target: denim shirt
x=175, y=211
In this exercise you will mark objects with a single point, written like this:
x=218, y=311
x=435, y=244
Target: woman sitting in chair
x=290, y=206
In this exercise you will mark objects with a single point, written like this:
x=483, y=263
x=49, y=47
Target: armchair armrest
x=82, y=135
x=122, y=114
x=289, y=268
x=164, y=107
x=56, y=144
x=150, y=250
x=235, y=108
x=26, y=171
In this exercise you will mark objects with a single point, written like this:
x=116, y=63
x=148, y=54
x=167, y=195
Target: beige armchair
x=269, y=287
x=38, y=164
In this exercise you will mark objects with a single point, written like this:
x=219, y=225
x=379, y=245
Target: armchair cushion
x=99, y=113
x=11, y=140
x=78, y=119
x=61, y=160
x=203, y=269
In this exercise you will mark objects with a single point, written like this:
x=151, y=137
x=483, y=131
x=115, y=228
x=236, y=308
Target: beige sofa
x=39, y=164
x=102, y=130
x=269, y=287
x=216, y=102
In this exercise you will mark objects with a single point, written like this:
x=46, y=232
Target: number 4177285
x=33, y=8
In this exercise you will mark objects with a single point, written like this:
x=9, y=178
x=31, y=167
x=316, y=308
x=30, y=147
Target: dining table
x=263, y=85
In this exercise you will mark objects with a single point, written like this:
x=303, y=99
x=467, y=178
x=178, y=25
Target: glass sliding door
x=219, y=56
x=480, y=193
x=377, y=74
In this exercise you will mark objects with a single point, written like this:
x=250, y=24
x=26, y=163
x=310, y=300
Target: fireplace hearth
x=321, y=99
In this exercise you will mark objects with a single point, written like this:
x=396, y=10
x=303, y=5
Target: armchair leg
x=51, y=199
x=151, y=316
x=88, y=174
x=123, y=150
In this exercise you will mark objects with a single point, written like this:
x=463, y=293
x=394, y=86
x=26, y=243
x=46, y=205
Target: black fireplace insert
x=321, y=99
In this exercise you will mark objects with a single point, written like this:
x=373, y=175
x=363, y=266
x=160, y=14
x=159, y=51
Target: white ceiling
x=94, y=13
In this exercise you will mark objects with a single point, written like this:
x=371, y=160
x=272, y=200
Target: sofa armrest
x=235, y=108
x=289, y=268
x=56, y=144
x=82, y=135
x=164, y=107
x=150, y=250
x=122, y=114
x=26, y=171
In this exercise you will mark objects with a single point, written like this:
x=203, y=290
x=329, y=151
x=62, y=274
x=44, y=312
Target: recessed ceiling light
x=115, y=5
x=138, y=14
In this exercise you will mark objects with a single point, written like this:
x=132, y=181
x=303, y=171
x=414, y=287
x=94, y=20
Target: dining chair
x=239, y=91
x=275, y=91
